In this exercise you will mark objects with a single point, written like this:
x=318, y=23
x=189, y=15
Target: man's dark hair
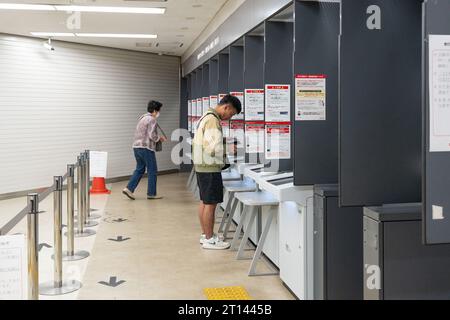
x=154, y=106
x=234, y=101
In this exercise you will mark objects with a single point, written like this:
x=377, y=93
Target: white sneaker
x=203, y=238
x=128, y=193
x=215, y=244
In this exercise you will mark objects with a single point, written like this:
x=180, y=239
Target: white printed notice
x=98, y=163
x=278, y=140
x=13, y=268
x=194, y=115
x=439, y=69
x=278, y=103
x=237, y=132
x=190, y=115
x=225, y=128
x=254, y=104
x=254, y=137
x=310, y=97
x=212, y=101
x=220, y=97
x=240, y=96
x=205, y=104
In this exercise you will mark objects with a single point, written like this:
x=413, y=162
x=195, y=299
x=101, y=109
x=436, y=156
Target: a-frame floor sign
x=436, y=182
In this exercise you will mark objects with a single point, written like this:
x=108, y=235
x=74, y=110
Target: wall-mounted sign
x=439, y=78
x=254, y=104
x=213, y=101
x=225, y=128
x=237, y=132
x=254, y=137
x=278, y=103
x=278, y=140
x=310, y=97
x=220, y=97
x=205, y=104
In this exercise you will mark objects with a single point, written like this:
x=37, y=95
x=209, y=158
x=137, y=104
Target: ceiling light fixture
x=56, y=7
x=95, y=35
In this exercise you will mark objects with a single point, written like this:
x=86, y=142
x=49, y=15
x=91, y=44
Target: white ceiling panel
x=182, y=23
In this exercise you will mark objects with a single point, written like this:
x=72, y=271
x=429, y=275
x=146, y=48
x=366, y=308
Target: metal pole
x=58, y=287
x=33, y=250
x=81, y=231
x=70, y=254
x=86, y=201
x=90, y=216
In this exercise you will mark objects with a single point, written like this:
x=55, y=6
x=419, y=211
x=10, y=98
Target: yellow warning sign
x=227, y=293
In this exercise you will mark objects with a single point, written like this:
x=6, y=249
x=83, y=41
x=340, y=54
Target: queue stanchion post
x=71, y=254
x=85, y=179
x=33, y=246
x=81, y=231
x=90, y=215
x=58, y=286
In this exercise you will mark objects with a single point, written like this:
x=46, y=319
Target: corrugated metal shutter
x=55, y=104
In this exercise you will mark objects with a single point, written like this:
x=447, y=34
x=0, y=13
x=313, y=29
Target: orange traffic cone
x=99, y=187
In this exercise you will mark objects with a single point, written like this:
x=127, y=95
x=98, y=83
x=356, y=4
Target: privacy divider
x=278, y=71
x=380, y=102
x=254, y=97
x=213, y=81
x=205, y=88
x=236, y=87
x=436, y=182
x=316, y=92
x=224, y=72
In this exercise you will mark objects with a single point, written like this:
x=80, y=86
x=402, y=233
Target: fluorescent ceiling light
x=52, y=34
x=117, y=35
x=56, y=7
x=95, y=35
x=19, y=6
x=110, y=9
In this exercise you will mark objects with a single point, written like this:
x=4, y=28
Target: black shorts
x=211, y=187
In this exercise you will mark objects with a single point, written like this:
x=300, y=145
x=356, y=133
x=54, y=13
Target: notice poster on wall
x=439, y=78
x=212, y=101
x=190, y=115
x=237, y=132
x=310, y=97
x=254, y=104
x=278, y=140
x=254, y=137
x=220, y=97
x=225, y=128
x=194, y=115
x=98, y=161
x=278, y=103
x=205, y=104
x=13, y=268
x=240, y=96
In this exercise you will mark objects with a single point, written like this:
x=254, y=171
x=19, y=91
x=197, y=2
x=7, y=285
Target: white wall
x=53, y=105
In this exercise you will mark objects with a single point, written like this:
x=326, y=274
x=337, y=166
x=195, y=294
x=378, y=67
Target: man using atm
x=209, y=157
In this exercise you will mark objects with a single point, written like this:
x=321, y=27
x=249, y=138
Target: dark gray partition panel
x=213, y=77
x=278, y=66
x=199, y=82
x=184, y=97
x=254, y=75
x=380, y=102
x=224, y=71
x=236, y=76
x=316, y=53
x=437, y=164
x=205, y=80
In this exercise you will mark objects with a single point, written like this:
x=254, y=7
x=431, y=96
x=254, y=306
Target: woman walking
x=144, y=146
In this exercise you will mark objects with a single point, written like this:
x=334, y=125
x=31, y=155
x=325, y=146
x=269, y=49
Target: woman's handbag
x=158, y=146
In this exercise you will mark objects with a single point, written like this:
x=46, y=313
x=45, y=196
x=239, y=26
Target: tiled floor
x=162, y=259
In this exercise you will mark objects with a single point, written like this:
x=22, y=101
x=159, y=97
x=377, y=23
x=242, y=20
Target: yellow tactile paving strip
x=227, y=293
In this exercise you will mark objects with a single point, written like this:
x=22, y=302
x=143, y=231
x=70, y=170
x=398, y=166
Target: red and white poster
x=225, y=128
x=278, y=140
x=212, y=101
x=254, y=104
x=310, y=97
x=205, y=104
x=220, y=97
x=240, y=96
x=190, y=115
x=254, y=137
x=278, y=103
x=237, y=132
x=194, y=115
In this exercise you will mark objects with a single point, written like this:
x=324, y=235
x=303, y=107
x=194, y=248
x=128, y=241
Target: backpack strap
x=207, y=114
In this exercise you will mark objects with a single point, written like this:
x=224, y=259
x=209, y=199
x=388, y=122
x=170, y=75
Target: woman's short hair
x=154, y=106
